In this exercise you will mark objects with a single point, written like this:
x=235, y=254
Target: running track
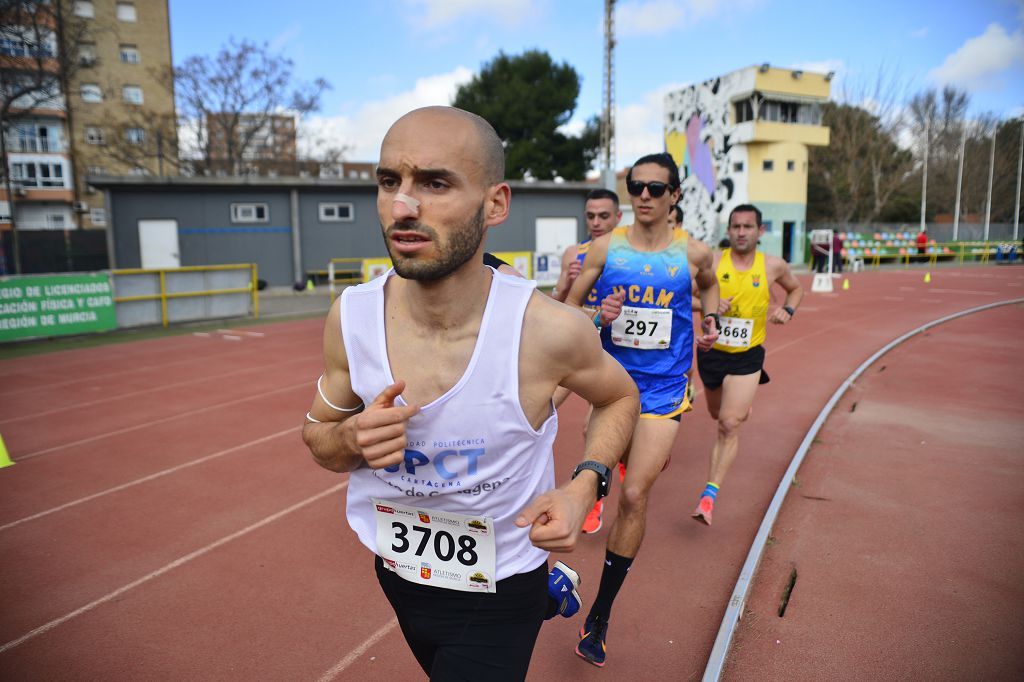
x=164, y=520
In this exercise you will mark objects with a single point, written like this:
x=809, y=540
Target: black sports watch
x=717, y=319
x=602, y=475
x=789, y=309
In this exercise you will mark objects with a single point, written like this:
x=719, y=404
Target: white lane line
x=147, y=365
x=145, y=356
x=144, y=425
x=741, y=590
x=42, y=629
x=145, y=479
x=231, y=337
x=359, y=651
x=202, y=334
x=160, y=387
x=964, y=291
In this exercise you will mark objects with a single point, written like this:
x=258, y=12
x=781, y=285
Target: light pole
x=991, y=167
x=959, y=183
x=924, y=179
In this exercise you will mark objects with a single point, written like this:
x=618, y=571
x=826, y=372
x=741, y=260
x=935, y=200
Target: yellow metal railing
x=961, y=251
x=163, y=295
x=353, y=272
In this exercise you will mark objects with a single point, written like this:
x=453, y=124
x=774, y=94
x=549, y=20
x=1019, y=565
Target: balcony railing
x=35, y=144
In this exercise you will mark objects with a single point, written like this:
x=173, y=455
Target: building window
x=126, y=11
x=94, y=135
x=24, y=45
x=333, y=212
x=132, y=94
x=134, y=135
x=38, y=174
x=35, y=137
x=250, y=213
x=98, y=216
x=94, y=170
x=91, y=93
x=5, y=212
x=87, y=54
x=737, y=167
x=791, y=165
x=744, y=111
x=84, y=9
x=767, y=165
x=130, y=54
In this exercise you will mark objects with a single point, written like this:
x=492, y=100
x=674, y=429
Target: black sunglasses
x=656, y=189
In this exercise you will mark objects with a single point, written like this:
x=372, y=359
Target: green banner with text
x=56, y=305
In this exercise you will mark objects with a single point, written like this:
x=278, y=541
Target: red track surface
x=164, y=520
x=905, y=529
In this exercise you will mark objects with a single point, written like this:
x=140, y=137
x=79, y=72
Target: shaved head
x=488, y=152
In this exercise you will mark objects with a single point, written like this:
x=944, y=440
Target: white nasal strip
x=643, y=328
x=438, y=548
x=736, y=332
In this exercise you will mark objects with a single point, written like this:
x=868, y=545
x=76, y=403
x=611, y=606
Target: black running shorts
x=470, y=635
x=714, y=365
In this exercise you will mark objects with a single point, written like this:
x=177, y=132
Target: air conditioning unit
x=80, y=207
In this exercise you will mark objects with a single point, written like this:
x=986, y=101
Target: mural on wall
x=698, y=135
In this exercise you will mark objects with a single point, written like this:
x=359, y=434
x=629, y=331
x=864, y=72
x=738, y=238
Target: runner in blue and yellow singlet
x=642, y=274
x=733, y=368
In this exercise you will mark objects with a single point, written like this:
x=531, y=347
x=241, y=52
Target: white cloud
x=648, y=17
x=639, y=126
x=979, y=62
x=281, y=40
x=437, y=13
x=364, y=130
x=919, y=33
x=657, y=17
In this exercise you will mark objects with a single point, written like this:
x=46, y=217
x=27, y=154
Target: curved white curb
x=716, y=661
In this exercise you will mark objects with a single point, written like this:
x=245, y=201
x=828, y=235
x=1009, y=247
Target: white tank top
x=470, y=451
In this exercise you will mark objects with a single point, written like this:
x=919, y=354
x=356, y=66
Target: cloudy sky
x=383, y=59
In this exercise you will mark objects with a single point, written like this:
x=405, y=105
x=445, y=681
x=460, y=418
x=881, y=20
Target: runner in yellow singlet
x=734, y=367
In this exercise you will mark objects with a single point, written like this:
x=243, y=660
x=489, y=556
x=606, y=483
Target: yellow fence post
x=255, y=293
x=163, y=295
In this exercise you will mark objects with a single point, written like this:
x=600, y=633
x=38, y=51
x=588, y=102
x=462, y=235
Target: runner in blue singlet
x=642, y=274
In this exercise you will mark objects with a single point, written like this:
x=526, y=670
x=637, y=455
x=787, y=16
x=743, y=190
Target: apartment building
x=120, y=97
x=103, y=104
x=254, y=144
x=744, y=138
x=38, y=153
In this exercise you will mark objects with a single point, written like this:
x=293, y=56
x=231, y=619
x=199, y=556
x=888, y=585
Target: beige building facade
x=121, y=114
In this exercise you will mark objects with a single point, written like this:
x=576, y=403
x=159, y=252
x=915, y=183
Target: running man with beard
x=734, y=367
x=436, y=398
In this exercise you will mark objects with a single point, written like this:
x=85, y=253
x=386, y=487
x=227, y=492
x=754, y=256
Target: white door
x=158, y=244
x=554, y=236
